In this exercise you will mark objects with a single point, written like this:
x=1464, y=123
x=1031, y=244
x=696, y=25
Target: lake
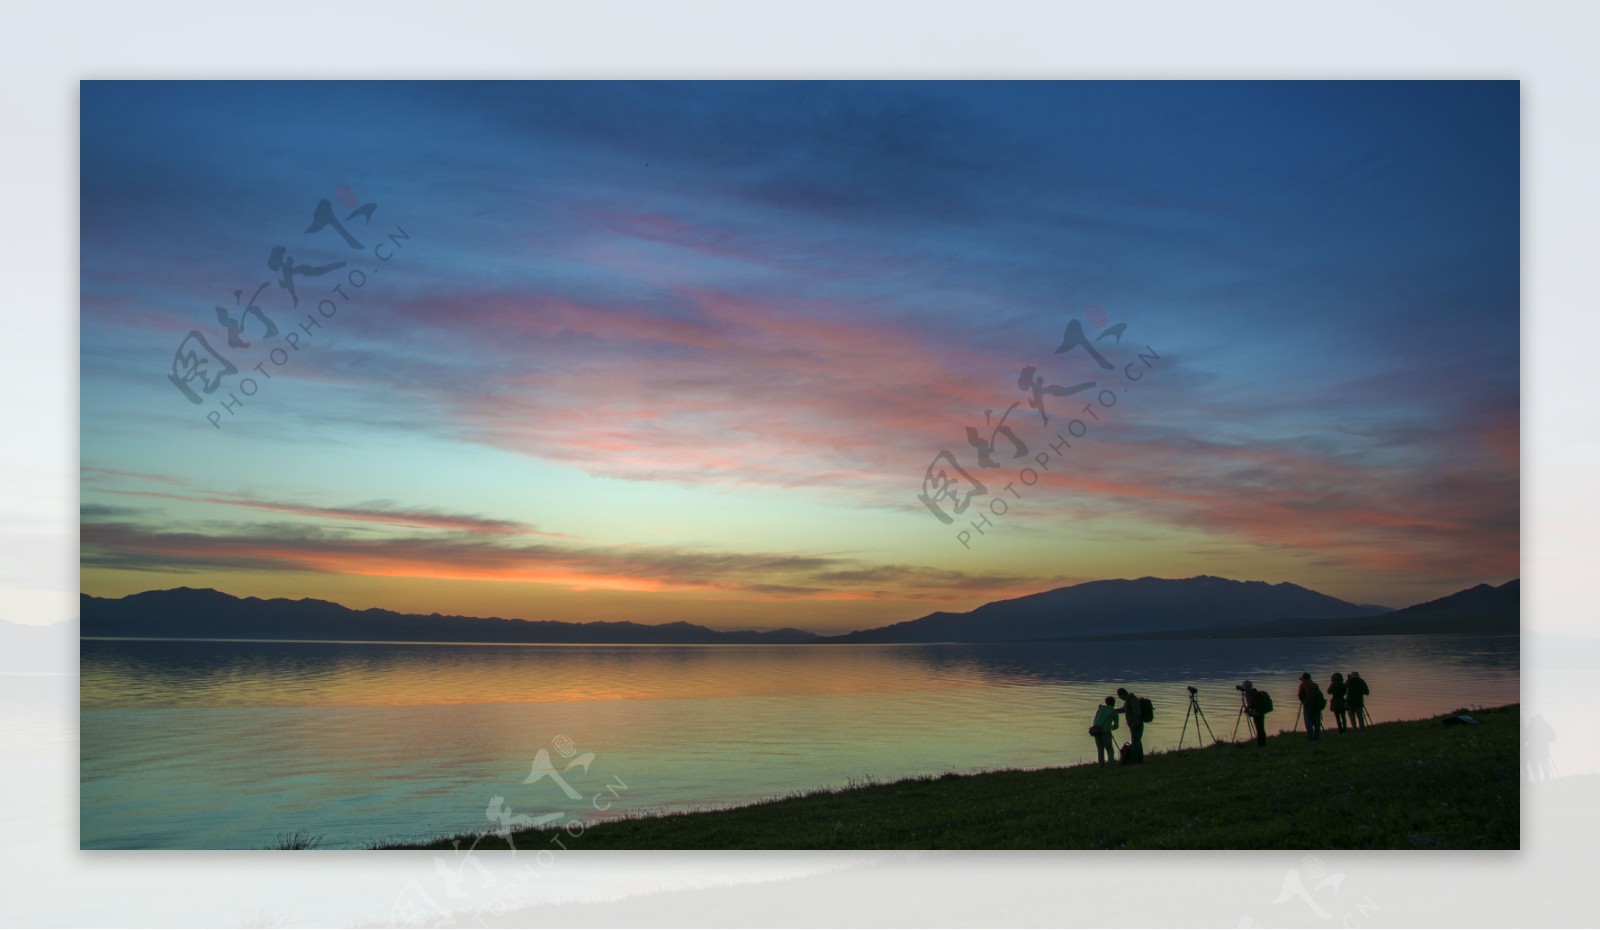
x=212, y=745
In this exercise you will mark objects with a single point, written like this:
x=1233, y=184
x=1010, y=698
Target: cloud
x=384, y=512
x=303, y=548
x=815, y=287
x=96, y=512
x=1422, y=514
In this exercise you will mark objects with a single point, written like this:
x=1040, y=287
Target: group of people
x=1347, y=697
x=1135, y=711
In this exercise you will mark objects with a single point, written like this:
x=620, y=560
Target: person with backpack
x=1133, y=708
x=1336, y=692
x=1355, y=695
x=1312, y=702
x=1105, y=720
x=1257, y=705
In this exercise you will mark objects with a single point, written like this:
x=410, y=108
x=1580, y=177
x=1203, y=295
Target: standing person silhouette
x=1336, y=702
x=1105, y=720
x=1311, y=703
x=1256, y=706
x=1130, y=709
x=1356, y=692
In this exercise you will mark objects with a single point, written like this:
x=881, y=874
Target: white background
x=45, y=49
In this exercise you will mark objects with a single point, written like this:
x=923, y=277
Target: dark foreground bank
x=1408, y=785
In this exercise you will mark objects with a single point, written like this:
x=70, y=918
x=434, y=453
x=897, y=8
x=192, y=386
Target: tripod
x=1243, y=703
x=1199, y=718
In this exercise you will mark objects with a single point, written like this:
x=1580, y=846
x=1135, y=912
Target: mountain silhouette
x=1167, y=608
x=204, y=613
x=1482, y=610
x=1119, y=607
x=1482, y=602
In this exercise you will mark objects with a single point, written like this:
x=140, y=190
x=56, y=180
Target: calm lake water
x=204, y=745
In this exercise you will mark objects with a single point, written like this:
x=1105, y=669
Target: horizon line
x=586, y=623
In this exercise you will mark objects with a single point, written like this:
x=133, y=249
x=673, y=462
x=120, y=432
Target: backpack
x=1262, y=704
x=1315, y=699
x=1125, y=755
x=1147, y=711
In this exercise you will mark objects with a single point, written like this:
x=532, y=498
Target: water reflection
x=203, y=745
x=122, y=673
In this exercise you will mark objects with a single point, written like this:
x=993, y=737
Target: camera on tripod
x=1196, y=715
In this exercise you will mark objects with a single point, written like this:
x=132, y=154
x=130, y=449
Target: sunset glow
x=662, y=352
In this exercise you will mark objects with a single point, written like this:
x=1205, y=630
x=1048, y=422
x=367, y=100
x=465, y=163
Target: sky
x=711, y=352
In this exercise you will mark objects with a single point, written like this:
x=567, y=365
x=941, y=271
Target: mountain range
x=203, y=613
x=1480, y=610
x=1120, y=607
x=1204, y=606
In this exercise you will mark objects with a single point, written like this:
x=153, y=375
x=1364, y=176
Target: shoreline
x=1413, y=784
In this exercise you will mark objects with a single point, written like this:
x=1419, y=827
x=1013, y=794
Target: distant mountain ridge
x=204, y=613
x=1200, y=607
x=1098, y=609
x=1482, y=610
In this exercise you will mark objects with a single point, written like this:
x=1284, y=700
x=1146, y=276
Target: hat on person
x=1249, y=684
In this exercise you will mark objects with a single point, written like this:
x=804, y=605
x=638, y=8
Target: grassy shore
x=1408, y=785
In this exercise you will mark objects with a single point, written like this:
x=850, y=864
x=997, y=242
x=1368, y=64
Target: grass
x=299, y=839
x=1407, y=785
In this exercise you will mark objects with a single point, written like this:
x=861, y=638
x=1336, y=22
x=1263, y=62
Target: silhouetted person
x=1105, y=720
x=1256, y=706
x=1311, y=704
x=1355, y=695
x=1336, y=702
x=1130, y=709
